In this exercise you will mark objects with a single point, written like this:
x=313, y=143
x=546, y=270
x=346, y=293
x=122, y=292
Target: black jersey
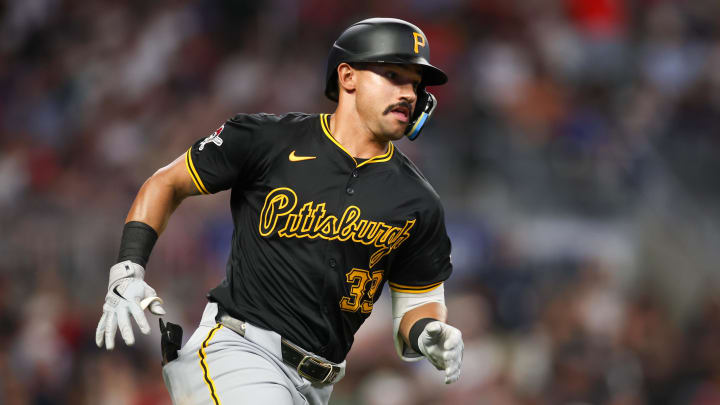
x=317, y=233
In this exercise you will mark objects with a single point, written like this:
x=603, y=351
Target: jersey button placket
x=353, y=175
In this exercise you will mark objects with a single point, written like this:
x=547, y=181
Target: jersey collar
x=325, y=124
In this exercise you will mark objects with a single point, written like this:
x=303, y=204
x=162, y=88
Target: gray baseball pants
x=218, y=366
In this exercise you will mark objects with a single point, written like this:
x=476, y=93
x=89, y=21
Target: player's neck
x=354, y=136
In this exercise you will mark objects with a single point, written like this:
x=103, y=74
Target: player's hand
x=127, y=294
x=442, y=344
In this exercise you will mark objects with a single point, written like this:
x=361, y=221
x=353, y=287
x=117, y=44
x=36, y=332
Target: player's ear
x=347, y=77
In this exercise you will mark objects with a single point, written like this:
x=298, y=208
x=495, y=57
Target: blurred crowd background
x=576, y=149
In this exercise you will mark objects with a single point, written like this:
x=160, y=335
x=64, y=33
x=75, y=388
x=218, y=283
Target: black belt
x=307, y=365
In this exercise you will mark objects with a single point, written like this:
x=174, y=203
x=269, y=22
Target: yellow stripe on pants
x=203, y=364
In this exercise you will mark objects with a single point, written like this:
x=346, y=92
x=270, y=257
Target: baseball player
x=326, y=211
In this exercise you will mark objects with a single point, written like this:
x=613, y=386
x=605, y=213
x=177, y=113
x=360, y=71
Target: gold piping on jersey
x=413, y=289
x=206, y=375
x=325, y=124
x=193, y=173
x=312, y=221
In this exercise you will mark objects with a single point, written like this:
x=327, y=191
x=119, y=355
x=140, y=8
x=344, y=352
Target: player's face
x=386, y=96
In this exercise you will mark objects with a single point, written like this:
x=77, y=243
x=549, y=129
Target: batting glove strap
x=443, y=346
x=125, y=269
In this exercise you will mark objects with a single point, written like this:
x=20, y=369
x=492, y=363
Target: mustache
x=400, y=104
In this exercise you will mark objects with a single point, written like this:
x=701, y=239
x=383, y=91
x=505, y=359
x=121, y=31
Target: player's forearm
x=432, y=310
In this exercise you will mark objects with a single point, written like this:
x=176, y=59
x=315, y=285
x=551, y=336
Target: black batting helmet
x=381, y=40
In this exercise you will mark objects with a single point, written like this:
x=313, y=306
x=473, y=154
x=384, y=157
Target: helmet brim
x=431, y=76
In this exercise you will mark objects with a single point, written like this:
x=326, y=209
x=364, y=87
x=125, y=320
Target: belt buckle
x=331, y=371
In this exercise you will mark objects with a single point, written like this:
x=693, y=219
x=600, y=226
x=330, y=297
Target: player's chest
x=365, y=213
x=318, y=185
x=307, y=196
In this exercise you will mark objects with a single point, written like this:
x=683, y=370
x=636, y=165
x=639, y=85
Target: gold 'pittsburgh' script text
x=312, y=221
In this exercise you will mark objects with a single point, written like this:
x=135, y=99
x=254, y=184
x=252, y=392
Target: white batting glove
x=443, y=346
x=127, y=294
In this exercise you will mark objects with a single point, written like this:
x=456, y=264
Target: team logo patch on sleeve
x=214, y=138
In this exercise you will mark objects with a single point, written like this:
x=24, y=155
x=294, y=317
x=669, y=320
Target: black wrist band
x=416, y=330
x=137, y=242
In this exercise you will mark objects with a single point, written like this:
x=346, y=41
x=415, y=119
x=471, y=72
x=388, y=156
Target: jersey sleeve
x=423, y=262
x=232, y=155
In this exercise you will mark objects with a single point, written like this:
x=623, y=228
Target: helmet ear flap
x=424, y=107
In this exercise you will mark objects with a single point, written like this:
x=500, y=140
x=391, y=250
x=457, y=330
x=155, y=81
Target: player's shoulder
x=411, y=176
x=271, y=130
x=272, y=120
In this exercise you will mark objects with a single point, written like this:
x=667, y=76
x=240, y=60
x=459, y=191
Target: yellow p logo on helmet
x=419, y=41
